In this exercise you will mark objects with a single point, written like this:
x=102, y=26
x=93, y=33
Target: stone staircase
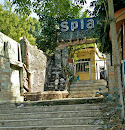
x=52, y=77
x=87, y=88
x=68, y=114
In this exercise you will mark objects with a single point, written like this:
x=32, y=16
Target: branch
x=120, y=15
x=105, y=21
x=107, y=16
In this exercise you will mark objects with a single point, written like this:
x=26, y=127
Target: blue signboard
x=77, y=24
x=75, y=29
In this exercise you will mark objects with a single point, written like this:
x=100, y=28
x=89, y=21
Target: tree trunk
x=116, y=59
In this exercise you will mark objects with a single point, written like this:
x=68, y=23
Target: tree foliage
x=102, y=29
x=56, y=8
x=22, y=6
x=16, y=26
x=50, y=12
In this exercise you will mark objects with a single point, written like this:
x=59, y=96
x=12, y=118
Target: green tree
x=49, y=12
x=103, y=26
x=16, y=26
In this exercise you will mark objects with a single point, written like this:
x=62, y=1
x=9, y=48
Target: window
x=83, y=65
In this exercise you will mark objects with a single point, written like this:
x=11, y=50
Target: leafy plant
x=111, y=111
x=67, y=71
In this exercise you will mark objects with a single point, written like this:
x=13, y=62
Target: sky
x=86, y=6
x=2, y=1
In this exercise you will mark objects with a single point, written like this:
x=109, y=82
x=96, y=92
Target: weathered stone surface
x=88, y=88
x=37, y=61
x=37, y=67
x=5, y=84
x=10, y=65
x=65, y=57
x=53, y=115
x=8, y=47
x=58, y=58
x=46, y=95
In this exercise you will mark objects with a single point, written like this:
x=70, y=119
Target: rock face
x=72, y=114
x=90, y=88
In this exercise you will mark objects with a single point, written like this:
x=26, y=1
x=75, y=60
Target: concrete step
x=88, y=88
x=81, y=89
x=59, y=127
x=87, y=85
x=77, y=95
x=7, y=105
x=55, y=103
x=90, y=81
x=66, y=114
x=81, y=95
x=57, y=114
x=50, y=121
x=87, y=91
x=28, y=109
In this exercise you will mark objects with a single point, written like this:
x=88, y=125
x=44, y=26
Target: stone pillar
x=65, y=57
x=58, y=60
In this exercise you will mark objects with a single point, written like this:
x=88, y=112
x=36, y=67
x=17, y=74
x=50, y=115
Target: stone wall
x=37, y=67
x=10, y=69
x=38, y=62
x=61, y=57
x=5, y=84
x=13, y=74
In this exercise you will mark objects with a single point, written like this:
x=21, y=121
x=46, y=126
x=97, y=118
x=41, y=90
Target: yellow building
x=90, y=63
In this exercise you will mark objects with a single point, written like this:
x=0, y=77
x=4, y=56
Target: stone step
x=88, y=88
x=90, y=81
x=28, y=109
x=87, y=91
x=81, y=95
x=57, y=114
x=66, y=114
x=50, y=121
x=51, y=127
x=7, y=105
x=56, y=72
x=87, y=85
x=51, y=86
x=60, y=103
